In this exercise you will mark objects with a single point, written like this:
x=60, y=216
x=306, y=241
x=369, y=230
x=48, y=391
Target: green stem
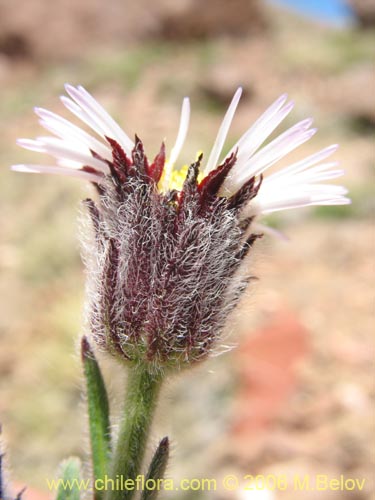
x=142, y=393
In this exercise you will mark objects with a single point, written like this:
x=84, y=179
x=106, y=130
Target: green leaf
x=98, y=412
x=70, y=480
x=156, y=470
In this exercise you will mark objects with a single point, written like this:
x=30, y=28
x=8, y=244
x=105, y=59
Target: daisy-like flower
x=166, y=267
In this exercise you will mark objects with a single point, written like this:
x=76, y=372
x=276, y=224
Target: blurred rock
x=365, y=12
x=5, y=68
x=15, y=46
x=193, y=19
x=221, y=83
x=267, y=363
x=354, y=91
x=63, y=29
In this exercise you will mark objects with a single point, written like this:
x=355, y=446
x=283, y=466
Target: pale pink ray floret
x=78, y=153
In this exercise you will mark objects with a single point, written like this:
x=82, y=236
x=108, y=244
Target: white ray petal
x=266, y=157
x=270, y=195
x=61, y=150
x=321, y=167
x=180, y=140
x=223, y=132
x=47, y=140
x=299, y=175
x=123, y=138
x=291, y=132
x=67, y=130
x=260, y=135
x=265, y=117
x=46, y=169
x=92, y=108
x=320, y=176
x=68, y=163
x=306, y=162
x=276, y=150
x=335, y=200
x=323, y=189
x=296, y=200
x=30, y=144
x=261, y=129
x=324, y=171
x=83, y=116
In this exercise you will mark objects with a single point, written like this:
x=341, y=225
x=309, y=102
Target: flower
x=166, y=265
x=82, y=155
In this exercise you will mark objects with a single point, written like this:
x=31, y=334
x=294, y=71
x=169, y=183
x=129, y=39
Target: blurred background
x=296, y=395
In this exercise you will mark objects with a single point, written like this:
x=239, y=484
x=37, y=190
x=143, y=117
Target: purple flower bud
x=165, y=270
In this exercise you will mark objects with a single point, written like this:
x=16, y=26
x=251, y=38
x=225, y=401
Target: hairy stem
x=140, y=402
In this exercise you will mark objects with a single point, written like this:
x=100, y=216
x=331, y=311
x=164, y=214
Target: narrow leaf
x=156, y=470
x=98, y=412
x=70, y=480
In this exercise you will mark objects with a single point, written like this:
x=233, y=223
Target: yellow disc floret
x=177, y=176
